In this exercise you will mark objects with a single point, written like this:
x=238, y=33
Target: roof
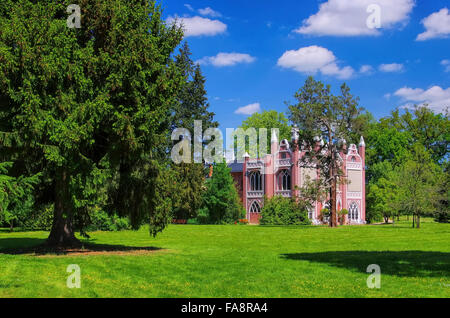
x=236, y=167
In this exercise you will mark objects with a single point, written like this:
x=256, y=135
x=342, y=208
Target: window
x=353, y=212
x=255, y=181
x=255, y=208
x=311, y=213
x=284, y=180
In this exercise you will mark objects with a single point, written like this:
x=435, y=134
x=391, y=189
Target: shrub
x=284, y=211
x=40, y=219
x=342, y=213
x=442, y=216
x=102, y=221
x=324, y=215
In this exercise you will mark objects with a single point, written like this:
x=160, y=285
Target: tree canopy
x=90, y=106
x=325, y=121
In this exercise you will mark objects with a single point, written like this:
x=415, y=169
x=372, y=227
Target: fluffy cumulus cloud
x=249, y=109
x=209, y=12
x=198, y=26
x=446, y=65
x=437, y=25
x=227, y=59
x=391, y=68
x=314, y=59
x=349, y=17
x=366, y=69
x=437, y=98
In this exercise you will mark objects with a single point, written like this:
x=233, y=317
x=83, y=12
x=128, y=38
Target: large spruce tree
x=91, y=107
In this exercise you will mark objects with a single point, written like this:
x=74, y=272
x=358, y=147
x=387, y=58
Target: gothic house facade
x=277, y=174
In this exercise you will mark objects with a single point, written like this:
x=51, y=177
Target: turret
x=362, y=153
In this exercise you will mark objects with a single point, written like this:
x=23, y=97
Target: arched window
x=255, y=181
x=255, y=208
x=284, y=180
x=353, y=212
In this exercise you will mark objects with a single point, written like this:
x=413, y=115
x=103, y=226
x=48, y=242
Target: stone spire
x=295, y=133
x=274, y=142
x=274, y=136
x=362, y=143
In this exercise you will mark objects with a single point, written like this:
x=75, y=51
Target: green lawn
x=241, y=261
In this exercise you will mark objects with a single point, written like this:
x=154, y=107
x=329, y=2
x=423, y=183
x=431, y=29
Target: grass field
x=240, y=261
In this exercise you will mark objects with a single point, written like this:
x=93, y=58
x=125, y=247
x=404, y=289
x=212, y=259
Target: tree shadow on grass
x=401, y=263
x=34, y=246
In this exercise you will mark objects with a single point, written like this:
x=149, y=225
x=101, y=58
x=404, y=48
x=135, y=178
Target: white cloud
x=227, y=59
x=209, y=12
x=436, y=97
x=446, y=65
x=189, y=7
x=437, y=25
x=313, y=59
x=249, y=109
x=198, y=26
x=349, y=17
x=391, y=68
x=366, y=69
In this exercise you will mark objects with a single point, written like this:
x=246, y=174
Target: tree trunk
x=414, y=220
x=333, y=221
x=418, y=221
x=11, y=226
x=62, y=234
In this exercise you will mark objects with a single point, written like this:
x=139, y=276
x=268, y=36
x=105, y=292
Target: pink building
x=278, y=174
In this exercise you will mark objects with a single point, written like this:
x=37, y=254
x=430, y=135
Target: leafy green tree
x=383, y=195
x=324, y=120
x=90, y=107
x=268, y=120
x=442, y=214
x=221, y=203
x=427, y=128
x=386, y=143
x=284, y=211
x=418, y=185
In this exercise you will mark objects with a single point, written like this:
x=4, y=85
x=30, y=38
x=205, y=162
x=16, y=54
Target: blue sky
x=258, y=53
